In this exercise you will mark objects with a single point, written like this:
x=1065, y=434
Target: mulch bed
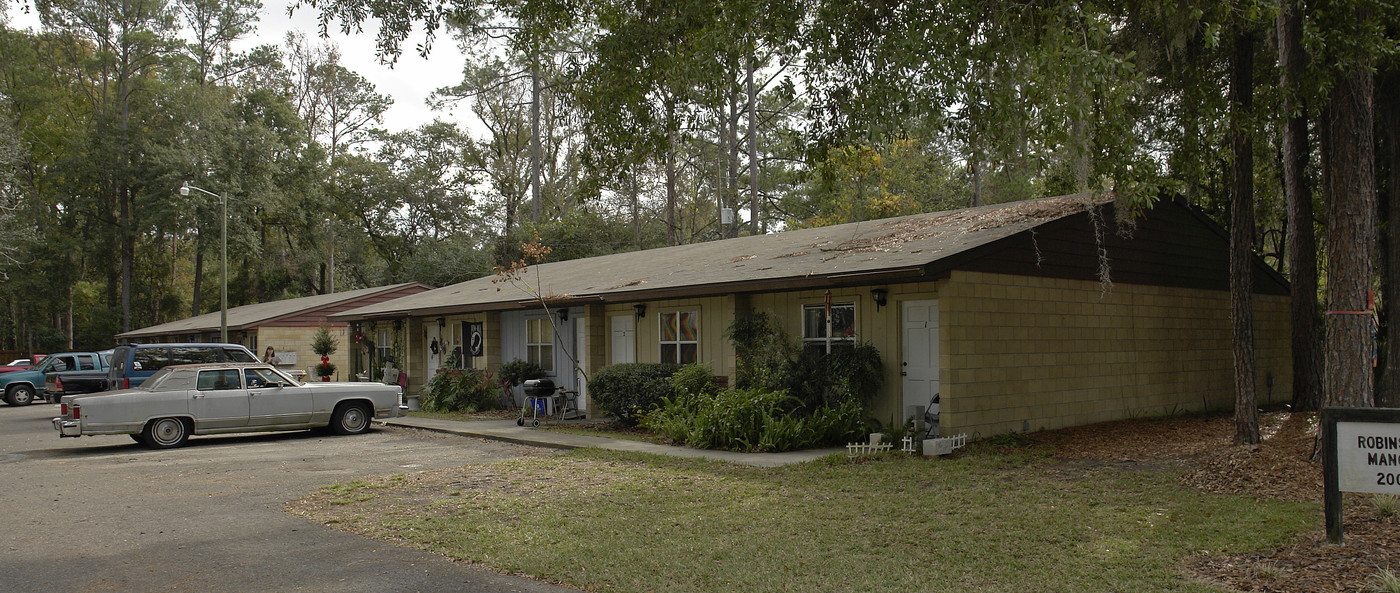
x=1278, y=468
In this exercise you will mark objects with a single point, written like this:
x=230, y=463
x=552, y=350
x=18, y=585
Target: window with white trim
x=814, y=326
x=680, y=337
x=383, y=347
x=539, y=343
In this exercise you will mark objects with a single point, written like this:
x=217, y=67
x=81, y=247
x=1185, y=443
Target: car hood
x=30, y=376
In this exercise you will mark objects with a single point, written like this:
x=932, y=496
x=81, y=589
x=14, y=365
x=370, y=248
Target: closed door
x=219, y=400
x=624, y=339
x=581, y=347
x=919, y=367
x=436, y=349
x=273, y=403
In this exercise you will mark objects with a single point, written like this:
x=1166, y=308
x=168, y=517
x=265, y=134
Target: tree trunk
x=1242, y=240
x=1349, y=186
x=198, y=274
x=535, y=136
x=671, y=173
x=754, y=228
x=1388, y=112
x=1302, y=239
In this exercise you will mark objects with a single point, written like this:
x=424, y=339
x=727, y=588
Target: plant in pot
x=324, y=344
x=515, y=373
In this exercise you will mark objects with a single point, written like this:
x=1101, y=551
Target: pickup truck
x=20, y=388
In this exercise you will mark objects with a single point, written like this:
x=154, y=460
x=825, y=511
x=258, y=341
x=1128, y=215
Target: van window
x=238, y=355
x=85, y=363
x=149, y=359
x=193, y=355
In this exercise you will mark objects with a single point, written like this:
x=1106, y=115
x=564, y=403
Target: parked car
x=132, y=363
x=20, y=388
x=20, y=364
x=179, y=401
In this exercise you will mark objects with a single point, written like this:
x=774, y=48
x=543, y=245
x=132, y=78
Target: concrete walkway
x=506, y=430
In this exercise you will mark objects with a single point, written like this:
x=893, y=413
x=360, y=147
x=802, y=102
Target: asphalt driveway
x=104, y=514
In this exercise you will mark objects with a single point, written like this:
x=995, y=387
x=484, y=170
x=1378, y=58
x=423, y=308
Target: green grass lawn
x=984, y=521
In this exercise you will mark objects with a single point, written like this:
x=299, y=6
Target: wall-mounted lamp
x=880, y=296
x=442, y=322
x=563, y=314
x=641, y=310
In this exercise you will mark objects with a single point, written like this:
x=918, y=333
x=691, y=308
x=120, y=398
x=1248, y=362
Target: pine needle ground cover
x=991, y=519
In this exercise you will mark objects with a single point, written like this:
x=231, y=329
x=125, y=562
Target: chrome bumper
x=67, y=428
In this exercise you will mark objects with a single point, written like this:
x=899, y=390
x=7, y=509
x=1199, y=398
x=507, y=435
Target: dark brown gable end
x=1170, y=245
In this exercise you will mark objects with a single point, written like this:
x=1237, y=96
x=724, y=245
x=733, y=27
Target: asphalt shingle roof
x=256, y=314
x=787, y=259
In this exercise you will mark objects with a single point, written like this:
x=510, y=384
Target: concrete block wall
x=298, y=339
x=1024, y=353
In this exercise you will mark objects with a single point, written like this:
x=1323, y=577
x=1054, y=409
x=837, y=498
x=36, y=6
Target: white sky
x=409, y=82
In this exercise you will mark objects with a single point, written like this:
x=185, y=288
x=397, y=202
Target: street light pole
x=223, y=266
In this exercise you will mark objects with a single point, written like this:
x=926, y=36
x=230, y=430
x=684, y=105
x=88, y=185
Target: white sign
x=1368, y=457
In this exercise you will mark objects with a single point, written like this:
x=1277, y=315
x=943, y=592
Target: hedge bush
x=470, y=390
x=631, y=389
x=748, y=419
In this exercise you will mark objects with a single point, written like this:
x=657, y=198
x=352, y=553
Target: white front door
x=437, y=350
x=919, y=367
x=581, y=348
x=624, y=339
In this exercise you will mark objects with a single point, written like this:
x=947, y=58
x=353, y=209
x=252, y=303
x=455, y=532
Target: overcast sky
x=409, y=82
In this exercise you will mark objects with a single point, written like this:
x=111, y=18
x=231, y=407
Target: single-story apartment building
x=1022, y=316
x=287, y=325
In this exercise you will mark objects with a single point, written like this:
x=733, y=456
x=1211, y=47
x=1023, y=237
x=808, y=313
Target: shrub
x=846, y=374
x=695, y=379
x=469, y=390
x=751, y=420
x=631, y=389
x=517, y=371
x=763, y=353
x=767, y=359
x=325, y=369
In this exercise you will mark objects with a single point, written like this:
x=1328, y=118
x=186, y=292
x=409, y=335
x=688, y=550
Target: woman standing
x=270, y=357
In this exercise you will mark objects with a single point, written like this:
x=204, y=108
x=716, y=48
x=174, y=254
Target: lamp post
x=223, y=266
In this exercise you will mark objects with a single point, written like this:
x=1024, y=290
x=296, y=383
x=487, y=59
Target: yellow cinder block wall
x=1032, y=353
x=298, y=340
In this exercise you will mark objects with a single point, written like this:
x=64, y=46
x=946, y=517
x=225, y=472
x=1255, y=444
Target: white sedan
x=179, y=401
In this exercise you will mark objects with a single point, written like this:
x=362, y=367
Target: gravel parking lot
x=106, y=514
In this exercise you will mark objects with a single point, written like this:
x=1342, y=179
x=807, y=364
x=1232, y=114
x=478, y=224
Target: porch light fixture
x=641, y=309
x=563, y=315
x=442, y=322
x=880, y=296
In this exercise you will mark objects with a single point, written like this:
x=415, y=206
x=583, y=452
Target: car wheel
x=20, y=395
x=165, y=433
x=350, y=418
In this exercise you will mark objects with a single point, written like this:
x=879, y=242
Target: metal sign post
x=1360, y=453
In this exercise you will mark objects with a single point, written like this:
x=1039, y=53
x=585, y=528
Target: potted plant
x=324, y=344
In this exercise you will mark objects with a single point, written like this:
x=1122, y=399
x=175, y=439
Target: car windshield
x=18, y=362
x=48, y=360
x=286, y=379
